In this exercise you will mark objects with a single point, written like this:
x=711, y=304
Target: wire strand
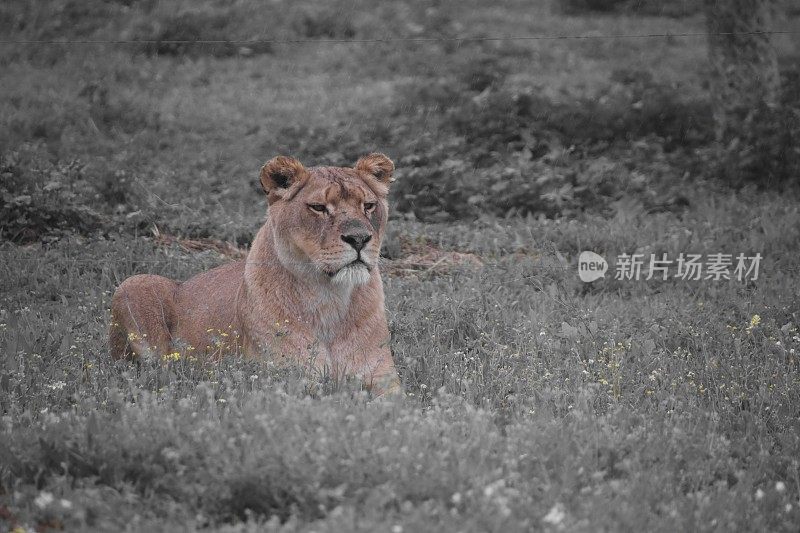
x=391, y=39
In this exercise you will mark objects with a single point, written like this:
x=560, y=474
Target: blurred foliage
x=514, y=152
x=43, y=200
x=159, y=24
x=470, y=137
x=663, y=8
x=767, y=150
x=40, y=201
x=174, y=35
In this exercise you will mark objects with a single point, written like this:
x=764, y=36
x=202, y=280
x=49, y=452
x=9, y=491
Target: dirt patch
x=224, y=248
x=431, y=260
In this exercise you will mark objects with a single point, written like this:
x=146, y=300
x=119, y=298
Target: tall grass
x=524, y=394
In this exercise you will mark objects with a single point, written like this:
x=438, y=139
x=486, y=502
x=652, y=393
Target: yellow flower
x=174, y=356
x=755, y=321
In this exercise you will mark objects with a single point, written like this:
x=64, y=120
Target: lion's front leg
x=373, y=367
x=380, y=374
x=387, y=385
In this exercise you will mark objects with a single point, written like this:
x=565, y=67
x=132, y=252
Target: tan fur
x=300, y=296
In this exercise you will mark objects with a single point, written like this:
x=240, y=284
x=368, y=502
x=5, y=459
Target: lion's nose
x=357, y=240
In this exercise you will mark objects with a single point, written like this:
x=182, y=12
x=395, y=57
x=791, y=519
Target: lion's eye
x=319, y=208
x=369, y=206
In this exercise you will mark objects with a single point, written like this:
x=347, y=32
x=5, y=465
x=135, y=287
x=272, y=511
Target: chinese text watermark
x=689, y=267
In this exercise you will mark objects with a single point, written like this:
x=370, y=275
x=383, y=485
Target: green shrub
x=323, y=22
x=634, y=107
x=41, y=200
x=113, y=112
x=766, y=152
x=56, y=19
x=657, y=8
x=484, y=72
x=518, y=153
x=581, y=6
x=174, y=36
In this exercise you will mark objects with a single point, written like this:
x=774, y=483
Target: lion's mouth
x=355, y=263
x=353, y=274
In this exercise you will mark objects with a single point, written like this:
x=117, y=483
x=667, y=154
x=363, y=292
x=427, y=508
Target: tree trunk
x=744, y=77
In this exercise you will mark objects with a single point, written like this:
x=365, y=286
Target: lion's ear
x=279, y=174
x=377, y=165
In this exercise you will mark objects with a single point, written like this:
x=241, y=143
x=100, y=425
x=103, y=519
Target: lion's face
x=329, y=221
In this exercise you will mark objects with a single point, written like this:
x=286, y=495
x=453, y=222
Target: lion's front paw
x=387, y=387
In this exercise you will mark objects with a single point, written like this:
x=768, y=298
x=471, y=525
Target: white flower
x=57, y=385
x=456, y=498
x=43, y=499
x=66, y=504
x=397, y=528
x=171, y=454
x=556, y=515
x=492, y=488
x=780, y=486
x=759, y=494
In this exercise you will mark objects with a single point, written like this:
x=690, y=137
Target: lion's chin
x=352, y=275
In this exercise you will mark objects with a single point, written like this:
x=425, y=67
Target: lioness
x=309, y=291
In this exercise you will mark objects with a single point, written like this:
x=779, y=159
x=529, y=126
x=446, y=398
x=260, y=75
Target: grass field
x=533, y=400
